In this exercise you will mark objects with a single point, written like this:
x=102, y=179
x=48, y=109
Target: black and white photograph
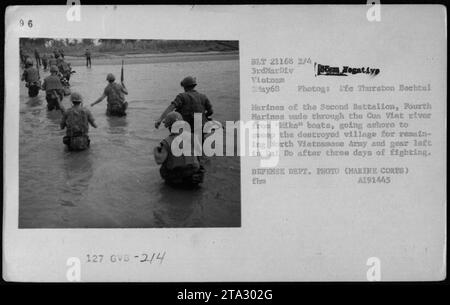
x=228, y=143
x=95, y=133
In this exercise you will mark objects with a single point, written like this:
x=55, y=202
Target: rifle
x=121, y=74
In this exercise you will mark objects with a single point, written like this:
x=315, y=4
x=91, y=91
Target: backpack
x=77, y=123
x=115, y=95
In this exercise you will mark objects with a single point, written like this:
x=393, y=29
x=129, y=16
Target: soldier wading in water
x=115, y=94
x=76, y=120
x=31, y=77
x=183, y=170
x=54, y=89
x=188, y=103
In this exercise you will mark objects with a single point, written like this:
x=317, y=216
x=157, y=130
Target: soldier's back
x=77, y=121
x=52, y=82
x=32, y=75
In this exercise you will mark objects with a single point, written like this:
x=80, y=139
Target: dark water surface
x=116, y=183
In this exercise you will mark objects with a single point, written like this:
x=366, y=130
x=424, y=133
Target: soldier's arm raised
x=124, y=89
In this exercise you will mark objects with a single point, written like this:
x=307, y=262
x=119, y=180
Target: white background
x=293, y=229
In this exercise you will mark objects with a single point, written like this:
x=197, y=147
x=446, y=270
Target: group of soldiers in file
x=175, y=170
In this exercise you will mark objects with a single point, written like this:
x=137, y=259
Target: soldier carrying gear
x=184, y=170
x=31, y=77
x=64, y=69
x=52, y=61
x=54, y=89
x=45, y=61
x=188, y=103
x=115, y=94
x=76, y=120
x=37, y=57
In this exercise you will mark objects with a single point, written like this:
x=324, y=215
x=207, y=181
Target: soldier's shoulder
x=181, y=96
x=201, y=95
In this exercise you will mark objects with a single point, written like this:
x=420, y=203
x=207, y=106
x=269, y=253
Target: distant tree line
x=77, y=47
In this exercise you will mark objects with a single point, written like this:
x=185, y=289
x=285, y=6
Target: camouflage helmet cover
x=188, y=81
x=75, y=97
x=110, y=77
x=171, y=118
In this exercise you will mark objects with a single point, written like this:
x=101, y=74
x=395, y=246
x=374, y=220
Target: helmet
x=53, y=68
x=189, y=81
x=75, y=97
x=29, y=61
x=110, y=77
x=171, y=118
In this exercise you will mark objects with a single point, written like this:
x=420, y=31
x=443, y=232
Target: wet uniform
x=31, y=77
x=190, y=102
x=64, y=68
x=54, y=91
x=116, y=99
x=76, y=120
x=185, y=170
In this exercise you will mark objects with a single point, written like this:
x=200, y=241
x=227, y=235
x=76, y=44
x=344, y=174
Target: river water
x=116, y=183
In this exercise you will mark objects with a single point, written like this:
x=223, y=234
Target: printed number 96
x=30, y=23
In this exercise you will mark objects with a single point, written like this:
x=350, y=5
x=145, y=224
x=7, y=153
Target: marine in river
x=115, y=94
x=54, y=89
x=52, y=61
x=64, y=68
x=183, y=170
x=64, y=72
x=45, y=61
x=88, y=58
x=31, y=77
x=76, y=120
x=37, y=57
x=188, y=103
x=56, y=53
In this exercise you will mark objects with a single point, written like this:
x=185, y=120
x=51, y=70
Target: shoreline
x=111, y=59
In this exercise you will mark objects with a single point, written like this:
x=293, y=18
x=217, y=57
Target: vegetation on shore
x=99, y=47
